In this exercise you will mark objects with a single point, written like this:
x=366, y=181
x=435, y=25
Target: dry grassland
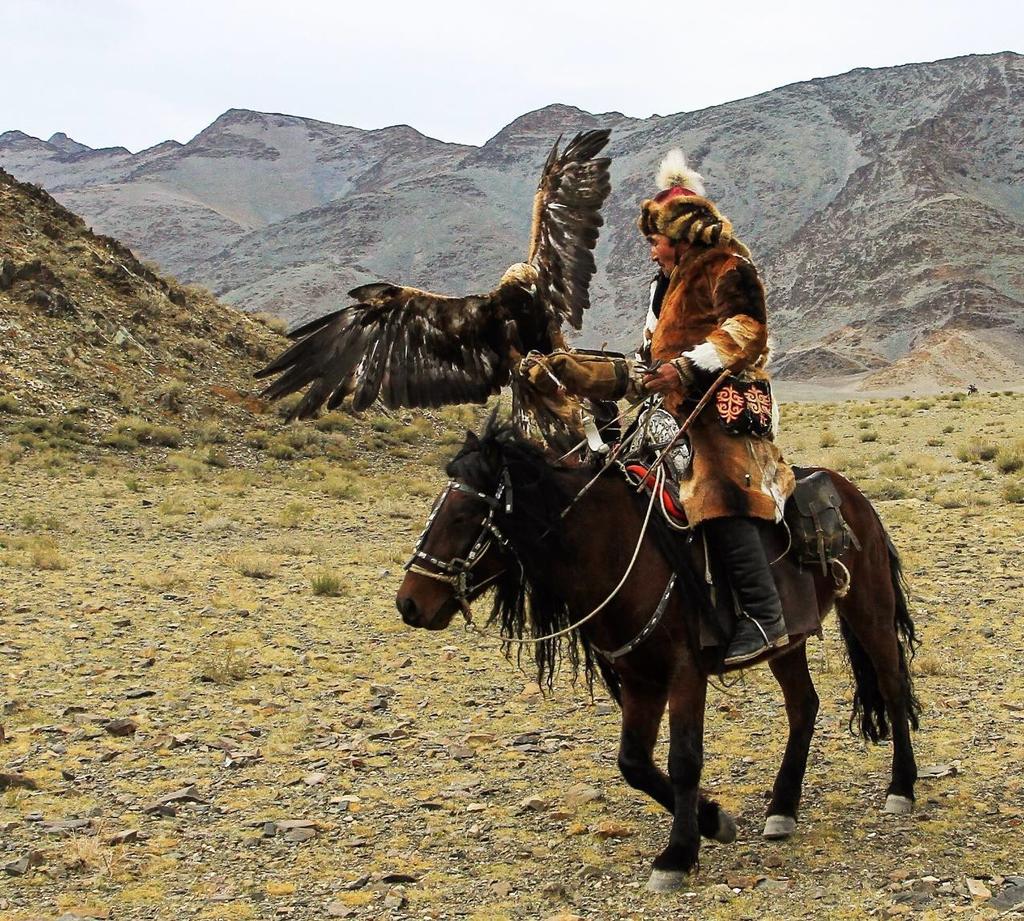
x=234, y=602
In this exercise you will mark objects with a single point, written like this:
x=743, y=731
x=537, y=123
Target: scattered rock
x=934, y=771
x=356, y=883
x=579, y=794
x=502, y=890
x=128, y=836
x=340, y=910
x=978, y=890
x=393, y=878
x=139, y=693
x=121, y=727
x=611, y=829
x=298, y=835
x=9, y=781
x=395, y=898
x=164, y=805
x=21, y=866
x=534, y=804
x=1011, y=895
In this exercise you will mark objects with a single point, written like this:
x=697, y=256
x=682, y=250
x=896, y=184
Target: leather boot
x=735, y=541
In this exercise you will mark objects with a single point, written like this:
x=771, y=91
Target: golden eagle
x=417, y=349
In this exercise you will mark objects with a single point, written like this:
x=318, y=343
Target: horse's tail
x=868, y=703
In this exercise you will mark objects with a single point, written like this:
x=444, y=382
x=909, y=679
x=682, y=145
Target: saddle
x=818, y=532
x=814, y=535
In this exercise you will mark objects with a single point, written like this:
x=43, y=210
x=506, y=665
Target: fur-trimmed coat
x=713, y=313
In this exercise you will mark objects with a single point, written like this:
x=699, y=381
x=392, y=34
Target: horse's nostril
x=407, y=608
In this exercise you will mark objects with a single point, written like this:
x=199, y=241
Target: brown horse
x=513, y=520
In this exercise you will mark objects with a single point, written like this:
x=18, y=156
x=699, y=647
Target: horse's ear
x=472, y=443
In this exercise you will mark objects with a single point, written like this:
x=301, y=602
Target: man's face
x=663, y=252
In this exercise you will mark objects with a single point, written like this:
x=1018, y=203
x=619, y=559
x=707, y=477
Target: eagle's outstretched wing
x=410, y=347
x=413, y=348
x=566, y=222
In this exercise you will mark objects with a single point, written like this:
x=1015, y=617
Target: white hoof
x=726, y=831
x=666, y=880
x=898, y=805
x=777, y=827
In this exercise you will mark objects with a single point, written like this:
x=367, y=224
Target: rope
x=551, y=636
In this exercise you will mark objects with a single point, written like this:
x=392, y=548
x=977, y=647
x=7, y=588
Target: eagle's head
x=521, y=274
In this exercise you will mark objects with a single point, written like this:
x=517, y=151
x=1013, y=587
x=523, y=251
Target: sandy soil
x=428, y=777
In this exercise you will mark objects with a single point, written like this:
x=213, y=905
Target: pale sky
x=134, y=73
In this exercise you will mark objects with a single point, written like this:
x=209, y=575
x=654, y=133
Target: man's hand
x=669, y=377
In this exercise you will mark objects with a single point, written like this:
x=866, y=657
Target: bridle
x=456, y=571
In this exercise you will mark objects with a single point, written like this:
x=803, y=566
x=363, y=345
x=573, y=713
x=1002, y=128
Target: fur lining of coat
x=714, y=314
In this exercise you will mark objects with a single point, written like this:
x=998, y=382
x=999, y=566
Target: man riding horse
x=707, y=314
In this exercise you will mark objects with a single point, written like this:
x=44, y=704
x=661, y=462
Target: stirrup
x=767, y=645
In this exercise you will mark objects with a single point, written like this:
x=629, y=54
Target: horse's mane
x=530, y=603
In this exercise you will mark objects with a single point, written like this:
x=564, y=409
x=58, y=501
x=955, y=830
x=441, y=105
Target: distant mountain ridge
x=885, y=208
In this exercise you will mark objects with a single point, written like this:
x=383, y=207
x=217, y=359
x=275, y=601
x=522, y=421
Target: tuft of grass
x=976, y=451
x=885, y=489
x=279, y=449
x=950, y=499
x=227, y=662
x=335, y=422
x=253, y=565
x=1014, y=491
x=271, y=321
x=1010, y=459
x=827, y=439
x=171, y=505
x=171, y=396
x=328, y=584
x=929, y=665
x=43, y=555
x=293, y=514
x=342, y=486
x=9, y=404
x=212, y=433
x=869, y=435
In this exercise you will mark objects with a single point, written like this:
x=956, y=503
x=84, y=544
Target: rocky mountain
x=885, y=207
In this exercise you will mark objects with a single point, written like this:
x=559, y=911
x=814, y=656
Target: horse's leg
x=642, y=709
x=791, y=672
x=881, y=671
x=685, y=759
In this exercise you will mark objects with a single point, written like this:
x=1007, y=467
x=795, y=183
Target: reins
x=502, y=640
x=456, y=572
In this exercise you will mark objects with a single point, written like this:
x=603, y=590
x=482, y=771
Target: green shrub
x=328, y=584
x=280, y=450
x=869, y=435
x=335, y=422
x=1010, y=459
x=342, y=486
x=1014, y=491
x=976, y=450
x=212, y=434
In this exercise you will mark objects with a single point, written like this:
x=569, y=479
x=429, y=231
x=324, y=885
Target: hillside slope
x=90, y=333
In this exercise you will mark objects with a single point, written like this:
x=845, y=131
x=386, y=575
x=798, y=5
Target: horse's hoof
x=666, y=880
x=777, y=827
x=898, y=805
x=726, y=831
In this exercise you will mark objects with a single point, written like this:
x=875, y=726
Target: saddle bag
x=819, y=532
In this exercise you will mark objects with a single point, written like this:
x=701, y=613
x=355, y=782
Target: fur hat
x=680, y=210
